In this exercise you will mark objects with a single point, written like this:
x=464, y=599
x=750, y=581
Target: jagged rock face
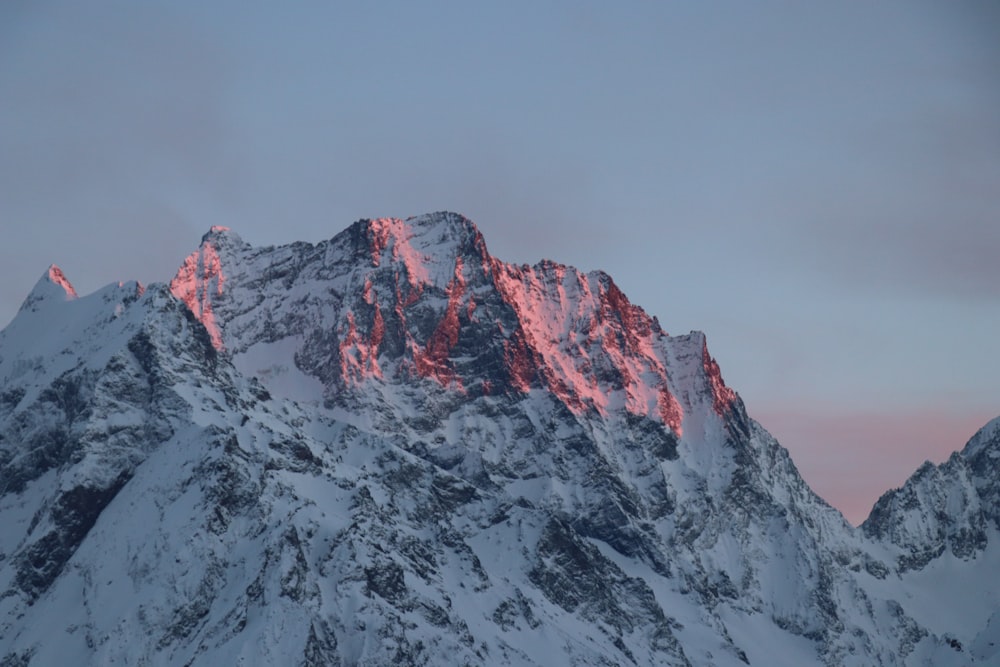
x=422, y=299
x=85, y=422
x=393, y=448
x=948, y=508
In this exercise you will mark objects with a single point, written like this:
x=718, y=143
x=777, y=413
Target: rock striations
x=393, y=448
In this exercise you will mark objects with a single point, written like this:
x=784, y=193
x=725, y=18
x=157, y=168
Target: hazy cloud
x=907, y=201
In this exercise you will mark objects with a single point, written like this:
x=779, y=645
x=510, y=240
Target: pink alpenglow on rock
x=358, y=353
x=59, y=278
x=196, y=280
x=722, y=396
x=573, y=326
x=432, y=361
x=426, y=298
x=394, y=235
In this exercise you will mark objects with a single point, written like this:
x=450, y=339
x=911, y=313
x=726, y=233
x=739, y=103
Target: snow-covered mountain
x=393, y=448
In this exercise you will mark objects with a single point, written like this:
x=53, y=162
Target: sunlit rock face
x=392, y=447
x=424, y=298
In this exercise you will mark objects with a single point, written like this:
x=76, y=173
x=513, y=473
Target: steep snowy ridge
x=951, y=507
x=77, y=407
x=939, y=532
x=53, y=285
x=393, y=448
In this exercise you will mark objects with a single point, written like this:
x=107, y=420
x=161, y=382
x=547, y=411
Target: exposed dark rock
x=72, y=516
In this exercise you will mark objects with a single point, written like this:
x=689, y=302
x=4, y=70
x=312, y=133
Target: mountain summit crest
x=423, y=297
x=391, y=447
x=52, y=286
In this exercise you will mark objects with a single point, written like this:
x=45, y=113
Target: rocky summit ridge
x=392, y=447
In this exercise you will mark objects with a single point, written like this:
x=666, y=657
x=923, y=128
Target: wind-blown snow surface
x=393, y=448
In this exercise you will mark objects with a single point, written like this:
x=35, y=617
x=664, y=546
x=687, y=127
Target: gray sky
x=815, y=186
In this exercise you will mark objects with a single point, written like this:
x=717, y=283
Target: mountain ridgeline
x=394, y=448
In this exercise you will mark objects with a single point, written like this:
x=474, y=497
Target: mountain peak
x=423, y=295
x=56, y=277
x=220, y=234
x=201, y=273
x=52, y=286
x=986, y=439
x=448, y=220
x=424, y=241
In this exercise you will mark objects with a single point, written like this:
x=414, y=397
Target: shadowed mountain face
x=394, y=448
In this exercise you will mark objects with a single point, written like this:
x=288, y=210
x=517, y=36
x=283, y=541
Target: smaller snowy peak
x=985, y=441
x=982, y=454
x=56, y=332
x=53, y=286
x=948, y=507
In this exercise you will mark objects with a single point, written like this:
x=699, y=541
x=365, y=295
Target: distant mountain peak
x=53, y=286
x=986, y=440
